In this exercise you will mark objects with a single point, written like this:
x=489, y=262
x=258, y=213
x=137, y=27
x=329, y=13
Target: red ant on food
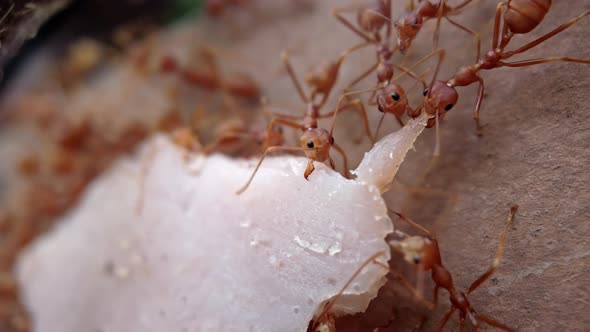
x=390, y=97
x=315, y=142
x=424, y=252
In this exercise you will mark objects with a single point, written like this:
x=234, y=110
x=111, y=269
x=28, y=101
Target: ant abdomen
x=522, y=16
x=323, y=77
x=384, y=72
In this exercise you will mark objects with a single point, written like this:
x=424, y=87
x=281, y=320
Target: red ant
x=519, y=18
x=410, y=23
x=315, y=142
x=326, y=321
x=236, y=85
x=391, y=98
x=424, y=252
x=233, y=133
x=371, y=19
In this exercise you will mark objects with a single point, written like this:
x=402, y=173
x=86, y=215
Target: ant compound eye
x=416, y=259
x=395, y=96
x=310, y=144
x=280, y=130
x=448, y=107
x=425, y=92
x=331, y=140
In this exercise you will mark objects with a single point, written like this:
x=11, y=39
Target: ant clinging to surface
x=315, y=142
x=520, y=17
x=409, y=24
x=424, y=252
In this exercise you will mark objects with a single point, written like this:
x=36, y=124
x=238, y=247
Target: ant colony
x=244, y=214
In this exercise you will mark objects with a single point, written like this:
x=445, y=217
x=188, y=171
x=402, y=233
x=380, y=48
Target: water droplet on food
x=246, y=223
x=335, y=248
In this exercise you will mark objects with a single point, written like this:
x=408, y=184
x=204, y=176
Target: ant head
x=392, y=99
x=323, y=76
x=407, y=27
x=373, y=17
x=442, y=98
x=317, y=143
x=417, y=250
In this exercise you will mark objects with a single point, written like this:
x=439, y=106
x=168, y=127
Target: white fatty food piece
x=201, y=258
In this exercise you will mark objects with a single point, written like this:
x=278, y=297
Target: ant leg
x=497, y=22
x=361, y=77
x=328, y=307
x=473, y=33
x=360, y=107
x=435, y=296
x=496, y=261
x=441, y=55
x=445, y=319
x=462, y=324
x=436, y=152
x=412, y=223
x=545, y=37
x=406, y=284
x=480, y=91
x=332, y=165
x=294, y=79
x=344, y=160
x=439, y=16
x=459, y=6
x=266, y=152
x=418, y=78
x=340, y=102
x=540, y=61
x=379, y=125
x=225, y=139
x=493, y=322
x=390, y=21
x=336, y=13
x=284, y=122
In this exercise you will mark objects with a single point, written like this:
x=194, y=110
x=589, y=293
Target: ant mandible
x=424, y=252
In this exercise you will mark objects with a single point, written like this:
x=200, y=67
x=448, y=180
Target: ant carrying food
x=315, y=142
x=424, y=252
x=389, y=97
